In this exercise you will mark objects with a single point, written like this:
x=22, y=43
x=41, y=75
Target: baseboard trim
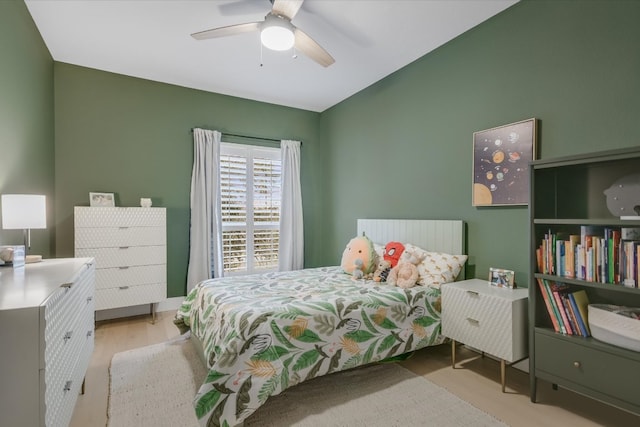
x=170, y=304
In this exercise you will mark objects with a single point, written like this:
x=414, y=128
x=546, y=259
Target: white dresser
x=46, y=313
x=129, y=245
x=488, y=318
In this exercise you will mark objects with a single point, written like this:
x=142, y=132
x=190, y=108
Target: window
x=250, y=192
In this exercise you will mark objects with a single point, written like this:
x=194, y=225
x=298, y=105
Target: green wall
x=26, y=118
x=133, y=137
x=402, y=147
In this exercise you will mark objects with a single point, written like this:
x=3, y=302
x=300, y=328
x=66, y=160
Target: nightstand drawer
x=490, y=319
x=589, y=367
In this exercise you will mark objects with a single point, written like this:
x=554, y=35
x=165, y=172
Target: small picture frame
x=102, y=200
x=501, y=278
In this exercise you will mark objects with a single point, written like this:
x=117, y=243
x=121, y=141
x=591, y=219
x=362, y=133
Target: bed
x=261, y=334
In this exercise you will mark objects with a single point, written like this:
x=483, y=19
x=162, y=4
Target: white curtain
x=291, y=252
x=205, y=247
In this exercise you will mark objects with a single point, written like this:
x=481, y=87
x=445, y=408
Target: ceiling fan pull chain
x=261, y=61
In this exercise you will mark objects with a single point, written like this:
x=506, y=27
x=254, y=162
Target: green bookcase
x=566, y=194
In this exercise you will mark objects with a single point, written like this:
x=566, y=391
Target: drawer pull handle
x=67, y=386
x=474, y=321
x=67, y=285
x=123, y=247
x=123, y=288
x=89, y=333
x=123, y=268
x=123, y=228
x=89, y=299
x=576, y=364
x=67, y=336
x=474, y=293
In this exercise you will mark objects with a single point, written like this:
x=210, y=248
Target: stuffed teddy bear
x=381, y=273
x=405, y=273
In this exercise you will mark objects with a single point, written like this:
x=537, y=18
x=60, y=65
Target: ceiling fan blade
x=286, y=8
x=230, y=30
x=310, y=48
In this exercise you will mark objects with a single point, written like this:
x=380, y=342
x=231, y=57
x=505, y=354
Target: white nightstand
x=490, y=319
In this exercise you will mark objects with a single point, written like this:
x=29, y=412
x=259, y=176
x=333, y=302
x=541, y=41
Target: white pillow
x=437, y=267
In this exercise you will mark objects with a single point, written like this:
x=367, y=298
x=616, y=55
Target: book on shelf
x=604, y=258
x=547, y=301
x=588, y=231
x=555, y=305
x=579, y=302
x=575, y=315
x=630, y=233
x=557, y=290
x=567, y=308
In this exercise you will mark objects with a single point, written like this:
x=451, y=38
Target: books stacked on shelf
x=567, y=308
x=597, y=254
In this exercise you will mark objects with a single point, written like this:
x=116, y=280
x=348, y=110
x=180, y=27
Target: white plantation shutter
x=250, y=189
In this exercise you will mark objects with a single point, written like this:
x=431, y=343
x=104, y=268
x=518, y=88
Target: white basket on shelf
x=614, y=324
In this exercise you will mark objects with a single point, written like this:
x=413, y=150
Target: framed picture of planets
x=501, y=157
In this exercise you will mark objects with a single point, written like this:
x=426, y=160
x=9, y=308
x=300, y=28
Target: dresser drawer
x=129, y=245
x=131, y=295
x=125, y=256
x=130, y=276
x=61, y=313
x=588, y=367
x=90, y=217
x=113, y=237
x=64, y=338
x=47, y=340
x=62, y=388
x=68, y=336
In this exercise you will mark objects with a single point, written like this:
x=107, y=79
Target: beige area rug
x=155, y=385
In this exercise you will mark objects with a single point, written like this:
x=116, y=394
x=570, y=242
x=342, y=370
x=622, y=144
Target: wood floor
x=476, y=379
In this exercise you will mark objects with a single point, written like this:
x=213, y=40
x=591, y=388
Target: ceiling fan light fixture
x=277, y=33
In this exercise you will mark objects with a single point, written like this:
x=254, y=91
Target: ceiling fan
x=276, y=32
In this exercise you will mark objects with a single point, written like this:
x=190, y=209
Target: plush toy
x=405, y=273
x=381, y=273
x=392, y=252
x=357, y=269
x=359, y=248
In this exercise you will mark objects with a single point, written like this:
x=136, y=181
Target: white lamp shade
x=277, y=33
x=23, y=211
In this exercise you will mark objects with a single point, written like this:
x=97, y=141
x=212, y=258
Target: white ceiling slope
x=369, y=40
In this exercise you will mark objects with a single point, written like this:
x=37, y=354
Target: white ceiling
x=369, y=40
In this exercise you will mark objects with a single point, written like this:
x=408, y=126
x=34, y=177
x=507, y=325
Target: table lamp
x=24, y=211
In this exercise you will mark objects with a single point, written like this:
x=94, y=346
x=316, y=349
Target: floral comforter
x=264, y=333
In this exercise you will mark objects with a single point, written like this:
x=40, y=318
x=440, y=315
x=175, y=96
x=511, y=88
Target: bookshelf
x=567, y=198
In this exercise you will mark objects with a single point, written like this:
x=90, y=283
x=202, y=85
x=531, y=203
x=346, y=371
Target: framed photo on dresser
x=102, y=200
x=501, y=278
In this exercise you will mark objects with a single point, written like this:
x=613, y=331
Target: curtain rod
x=248, y=136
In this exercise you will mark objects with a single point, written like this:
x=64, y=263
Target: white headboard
x=431, y=235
